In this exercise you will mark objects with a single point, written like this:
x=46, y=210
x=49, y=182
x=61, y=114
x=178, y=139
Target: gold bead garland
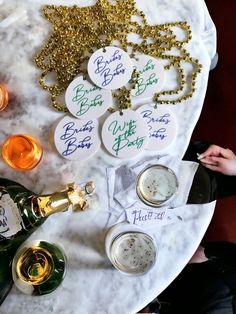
x=79, y=31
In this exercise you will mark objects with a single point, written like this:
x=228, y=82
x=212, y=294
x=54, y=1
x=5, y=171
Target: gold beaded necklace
x=79, y=31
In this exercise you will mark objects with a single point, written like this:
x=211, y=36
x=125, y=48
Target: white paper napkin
x=122, y=180
x=122, y=197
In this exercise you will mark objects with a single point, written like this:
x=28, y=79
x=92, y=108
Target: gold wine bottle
x=22, y=211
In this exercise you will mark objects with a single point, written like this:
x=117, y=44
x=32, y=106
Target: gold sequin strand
x=79, y=31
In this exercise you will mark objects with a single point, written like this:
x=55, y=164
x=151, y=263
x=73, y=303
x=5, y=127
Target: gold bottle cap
x=156, y=184
x=76, y=195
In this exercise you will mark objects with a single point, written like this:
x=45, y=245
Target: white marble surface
x=91, y=284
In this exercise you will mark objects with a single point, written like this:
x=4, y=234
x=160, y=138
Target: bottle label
x=10, y=219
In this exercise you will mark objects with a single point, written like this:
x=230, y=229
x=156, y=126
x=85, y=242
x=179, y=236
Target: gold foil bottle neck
x=74, y=195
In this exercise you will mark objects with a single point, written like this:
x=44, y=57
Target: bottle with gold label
x=22, y=211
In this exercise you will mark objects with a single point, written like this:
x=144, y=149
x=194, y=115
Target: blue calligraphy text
x=154, y=123
x=103, y=67
x=165, y=119
x=70, y=139
x=160, y=133
x=139, y=216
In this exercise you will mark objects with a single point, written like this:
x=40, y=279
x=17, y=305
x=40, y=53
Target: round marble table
x=92, y=285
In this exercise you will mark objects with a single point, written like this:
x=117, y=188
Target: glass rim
x=34, y=144
x=147, y=200
x=138, y=270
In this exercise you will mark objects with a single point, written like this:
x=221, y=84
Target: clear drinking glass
x=130, y=249
x=3, y=97
x=38, y=267
x=22, y=152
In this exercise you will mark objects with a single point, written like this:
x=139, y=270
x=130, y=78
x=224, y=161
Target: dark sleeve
x=222, y=251
x=207, y=185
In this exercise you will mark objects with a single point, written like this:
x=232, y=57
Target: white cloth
x=121, y=184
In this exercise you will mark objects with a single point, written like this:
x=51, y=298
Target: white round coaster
x=77, y=139
x=151, y=76
x=85, y=100
x=162, y=126
x=126, y=135
x=110, y=68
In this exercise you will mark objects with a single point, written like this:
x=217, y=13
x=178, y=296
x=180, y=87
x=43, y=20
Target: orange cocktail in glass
x=22, y=152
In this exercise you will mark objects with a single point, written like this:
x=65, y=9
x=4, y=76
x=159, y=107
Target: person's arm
x=219, y=159
x=199, y=256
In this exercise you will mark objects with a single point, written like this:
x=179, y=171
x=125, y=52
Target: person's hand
x=219, y=159
x=199, y=256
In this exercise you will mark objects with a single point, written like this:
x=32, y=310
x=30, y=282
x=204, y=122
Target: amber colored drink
x=21, y=152
x=3, y=97
x=38, y=267
x=34, y=265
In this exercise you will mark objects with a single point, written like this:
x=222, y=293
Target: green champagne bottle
x=22, y=211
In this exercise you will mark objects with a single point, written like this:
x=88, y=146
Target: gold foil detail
x=74, y=195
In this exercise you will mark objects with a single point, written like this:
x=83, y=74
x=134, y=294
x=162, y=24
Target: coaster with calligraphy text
x=125, y=135
x=110, y=68
x=77, y=139
x=151, y=76
x=85, y=100
x=162, y=126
